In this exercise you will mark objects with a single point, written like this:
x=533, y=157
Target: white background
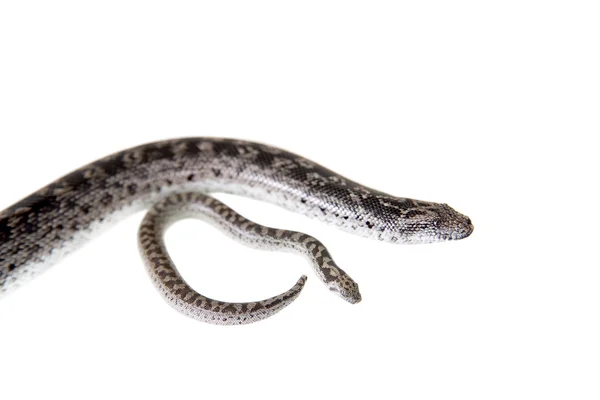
x=491, y=107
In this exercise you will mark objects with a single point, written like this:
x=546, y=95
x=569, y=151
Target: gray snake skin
x=173, y=178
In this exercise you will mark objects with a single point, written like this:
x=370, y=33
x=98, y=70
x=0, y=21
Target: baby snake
x=173, y=177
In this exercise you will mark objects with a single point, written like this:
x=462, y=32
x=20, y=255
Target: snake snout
x=456, y=225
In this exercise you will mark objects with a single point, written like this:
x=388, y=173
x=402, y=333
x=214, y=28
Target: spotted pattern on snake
x=40, y=229
x=183, y=298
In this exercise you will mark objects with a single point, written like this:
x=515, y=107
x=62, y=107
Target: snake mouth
x=351, y=296
x=357, y=298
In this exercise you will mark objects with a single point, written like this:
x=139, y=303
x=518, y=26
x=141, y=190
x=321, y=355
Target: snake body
x=173, y=178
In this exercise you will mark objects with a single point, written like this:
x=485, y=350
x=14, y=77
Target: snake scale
x=173, y=179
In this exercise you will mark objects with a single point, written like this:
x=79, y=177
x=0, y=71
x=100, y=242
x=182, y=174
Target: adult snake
x=173, y=177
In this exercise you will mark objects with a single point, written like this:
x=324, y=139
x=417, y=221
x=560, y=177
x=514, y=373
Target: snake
x=174, y=179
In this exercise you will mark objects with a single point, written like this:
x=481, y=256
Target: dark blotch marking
x=106, y=200
x=230, y=309
x=132, y=189
x=225, y=149
x=85, y=208
x=413, y=213
x=158, y=153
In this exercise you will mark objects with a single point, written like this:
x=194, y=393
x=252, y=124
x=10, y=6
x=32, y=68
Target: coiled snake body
x=173, y=177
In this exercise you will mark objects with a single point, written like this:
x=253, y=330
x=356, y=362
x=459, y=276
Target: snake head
x=451, y=224
x=346, y=288
x=401, y=220
x=429, y=223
